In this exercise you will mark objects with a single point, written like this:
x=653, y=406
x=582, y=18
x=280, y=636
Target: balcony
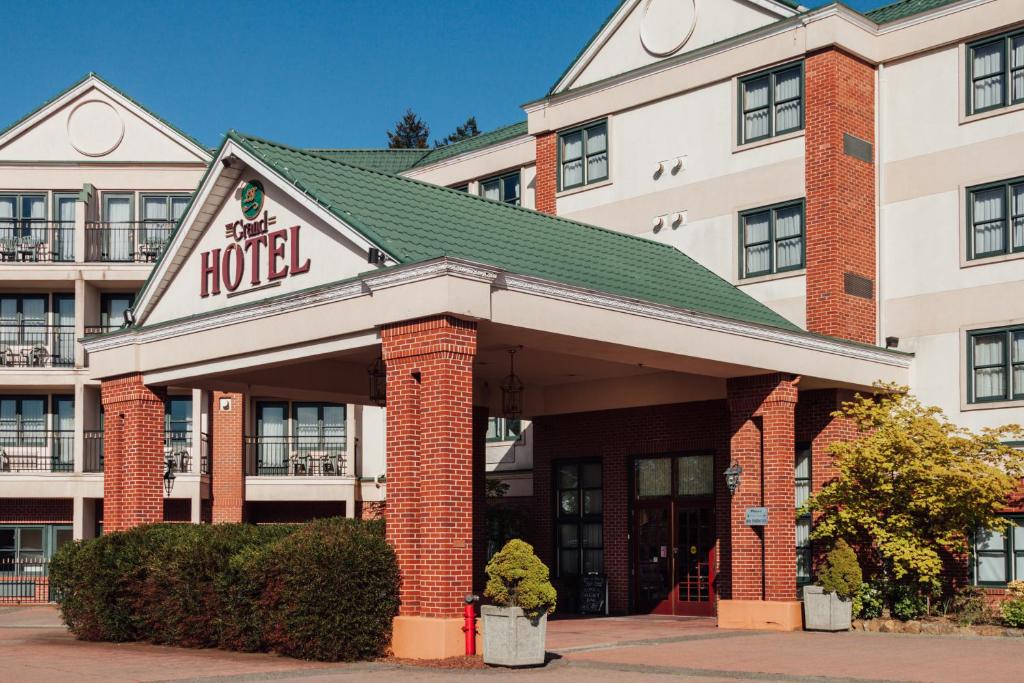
x=298, y=456
x=179, y=447
x=36, y=242
x=36, y=451
x=127, y=241
x=31, y=345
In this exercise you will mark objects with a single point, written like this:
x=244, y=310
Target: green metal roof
x=398, y=160
x=384, y=160
x=120, y=92
x=474, y=143
x=415, y=221
x=904, y=8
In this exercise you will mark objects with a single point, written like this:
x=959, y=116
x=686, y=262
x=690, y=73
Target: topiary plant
x=1013, y=607
x=517, y=578
x=840, y=572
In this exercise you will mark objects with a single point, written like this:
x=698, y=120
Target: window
x=995, y=360
x=318, y=425
x=25, y=544
x=504, y=429
x=63, y=421
x=995, y=218
x=160, y=213
x=772, y=239
x=771, y=103
x=112, y=310
x=118, y=234
x=583, y=156
x=23, y=216
x=178, y=415
x=579, y=546
x=995, y=72
x=462, y=188
x=802, y=476
x=998, y=558
x=502, y=188
x=22, y=422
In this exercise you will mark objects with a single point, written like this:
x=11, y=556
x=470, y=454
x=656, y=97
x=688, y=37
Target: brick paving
x=37, y=648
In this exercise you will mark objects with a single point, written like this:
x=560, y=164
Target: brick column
x=546, y=184
x=133, y=453
x=430, y=478
x=227, y=456
x=840, y=177
x=763, y=591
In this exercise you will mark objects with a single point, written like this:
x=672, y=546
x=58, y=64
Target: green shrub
x=1013, y=607
x=234, y=586
x=330, y=591
x=840, y=572
x=869, y=602
x=517, y=578
x=907, y=602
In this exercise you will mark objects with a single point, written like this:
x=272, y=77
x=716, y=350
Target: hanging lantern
x=169, y=476
x=378, y=375
x=512, y=390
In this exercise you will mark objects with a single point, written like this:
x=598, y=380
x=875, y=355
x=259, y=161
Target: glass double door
x=674, y=543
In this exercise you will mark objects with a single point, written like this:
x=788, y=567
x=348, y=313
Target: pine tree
x=467, y=130
x=410, y=132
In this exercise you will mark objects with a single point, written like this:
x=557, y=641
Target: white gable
x=645, y=31
x=229, y=258
x=93, y=122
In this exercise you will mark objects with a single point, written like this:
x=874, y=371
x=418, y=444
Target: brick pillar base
x=430, y=479
x=762, y=559
x=133, y=453
x=227, y=456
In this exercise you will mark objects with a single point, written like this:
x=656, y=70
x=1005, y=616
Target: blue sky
x=310, y=73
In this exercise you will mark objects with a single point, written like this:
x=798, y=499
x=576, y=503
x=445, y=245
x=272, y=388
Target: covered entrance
x=674, y=534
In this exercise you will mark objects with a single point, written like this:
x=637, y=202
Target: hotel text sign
x=252, y=244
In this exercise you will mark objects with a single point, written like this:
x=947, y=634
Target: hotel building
x=724, y=218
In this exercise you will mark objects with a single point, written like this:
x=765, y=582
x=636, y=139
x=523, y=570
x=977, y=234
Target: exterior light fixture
x=512, y=390
x=169, y=467
x=732, y=478
x=378, y=376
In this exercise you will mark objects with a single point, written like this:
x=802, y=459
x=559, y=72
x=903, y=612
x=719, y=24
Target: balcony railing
x=24, y=579
x=317, y=456
x=178, y=447
x=36, y=451
x=127, y=241
x=30, y=241
x=29, y=345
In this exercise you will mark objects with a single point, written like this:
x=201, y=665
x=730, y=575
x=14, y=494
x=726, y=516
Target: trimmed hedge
x=327, y=590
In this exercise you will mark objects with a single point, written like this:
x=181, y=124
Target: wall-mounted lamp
x=169, y=476
x=732, y=478
x=658, y=222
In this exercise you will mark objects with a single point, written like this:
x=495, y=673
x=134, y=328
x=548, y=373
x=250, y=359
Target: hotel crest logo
x=267, y=256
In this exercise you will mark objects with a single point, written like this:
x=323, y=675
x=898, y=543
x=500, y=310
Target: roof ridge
x=461, y=193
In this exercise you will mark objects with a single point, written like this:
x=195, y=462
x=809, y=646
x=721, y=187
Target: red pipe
x=469, y=628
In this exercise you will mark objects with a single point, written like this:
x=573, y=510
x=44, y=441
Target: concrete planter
x=511, y=638
x=826, y=611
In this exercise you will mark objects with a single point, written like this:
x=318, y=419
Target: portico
x=625, y=367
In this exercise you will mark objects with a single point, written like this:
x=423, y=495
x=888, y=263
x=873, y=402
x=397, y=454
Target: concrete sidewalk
x=38, y=648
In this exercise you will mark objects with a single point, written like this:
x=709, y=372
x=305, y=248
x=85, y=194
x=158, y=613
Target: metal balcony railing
x=33, y=241
x=322, y=456
x=24, y=579
x=178, y=447
x=127, y=241
x=31, y=345
x=27, y=450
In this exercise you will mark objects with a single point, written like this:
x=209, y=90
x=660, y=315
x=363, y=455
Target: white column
x=78, y=445
x=80, y=212
x=84, y=525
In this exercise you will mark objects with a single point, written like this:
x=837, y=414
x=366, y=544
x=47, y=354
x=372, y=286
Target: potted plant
x=515, y=626
x=828, y=605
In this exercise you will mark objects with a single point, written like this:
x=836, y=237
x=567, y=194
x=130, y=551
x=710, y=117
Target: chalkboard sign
x=593, y=594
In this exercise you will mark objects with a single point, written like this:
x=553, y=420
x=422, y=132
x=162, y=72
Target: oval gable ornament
x=667, y=25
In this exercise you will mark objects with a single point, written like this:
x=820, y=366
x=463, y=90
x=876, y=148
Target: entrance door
x=674, y=534
x=271, y=439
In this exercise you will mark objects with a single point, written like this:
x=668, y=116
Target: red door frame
x=673, y=603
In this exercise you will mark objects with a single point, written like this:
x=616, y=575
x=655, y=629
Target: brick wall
x=133, y=452
x=227, y=457
x=371, y=509
x=615, y=437
x=36, y=510
x=762, y=429
x=840, y=99
x=546, y=184
x=430, y=460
